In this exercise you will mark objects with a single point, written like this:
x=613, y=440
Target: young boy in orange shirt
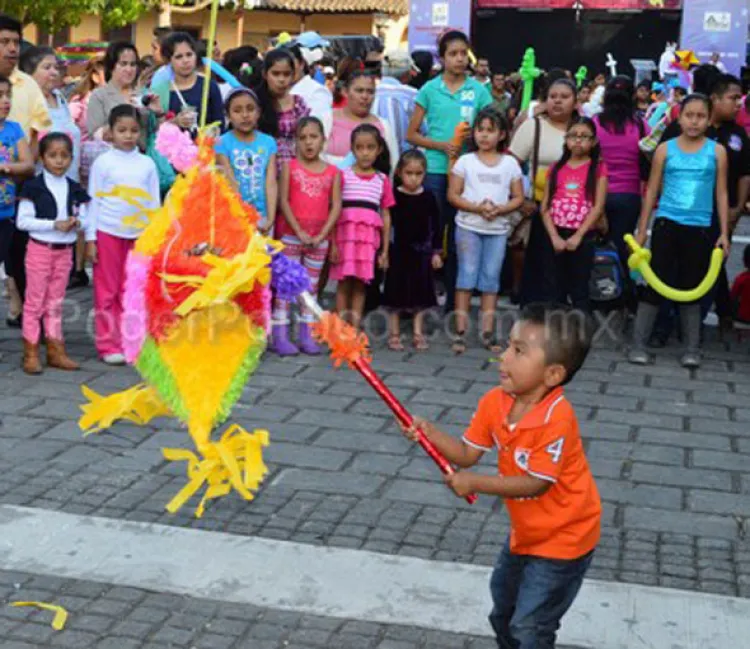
x=552, y=500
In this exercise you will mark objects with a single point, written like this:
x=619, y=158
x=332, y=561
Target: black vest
x=45, y=206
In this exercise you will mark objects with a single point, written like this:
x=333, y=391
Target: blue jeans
x=480, y=260
x=530, y=595
x=438, y=185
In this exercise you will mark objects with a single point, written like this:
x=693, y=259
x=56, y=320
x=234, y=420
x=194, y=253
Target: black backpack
x=607, y=281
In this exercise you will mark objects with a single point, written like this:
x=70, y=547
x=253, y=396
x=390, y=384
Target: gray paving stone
x=606, y=468
x=641, y=392
x=312, y=401
x=679, y=383
x=721, y=461
x=355, y=441
x=380, y=463
x=718, y=427
x=640, y=419
x=680, y=476
x=342, y=421
x=607, y=450
x=305, y=456
x=324, y=482
x=686, y=440
x=598, y=430
x=671, y=455
x=680, y=522
x=719, y=503
x=686, y=409
x=14, y=404
x=621, y=491
x=446, y=399
x=413, y=491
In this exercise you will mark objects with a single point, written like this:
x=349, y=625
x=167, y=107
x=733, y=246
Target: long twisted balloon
x=529, y=73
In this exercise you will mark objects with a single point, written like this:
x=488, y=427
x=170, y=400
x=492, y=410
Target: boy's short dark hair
x=568, y=334
x=9, y=24
x=4, y=81
x=724, y=83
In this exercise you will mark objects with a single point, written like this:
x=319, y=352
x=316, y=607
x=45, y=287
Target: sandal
x=459, y=345
x=394, y=343
x=490, y=343
x=420, y=343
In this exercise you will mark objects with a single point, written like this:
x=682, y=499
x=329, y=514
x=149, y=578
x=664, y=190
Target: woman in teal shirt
x=445, y=102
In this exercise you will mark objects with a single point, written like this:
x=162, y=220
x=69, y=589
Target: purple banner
x=428, y=19
x=719, y=26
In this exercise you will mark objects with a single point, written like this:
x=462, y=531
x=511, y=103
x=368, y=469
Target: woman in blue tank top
x=690, y=175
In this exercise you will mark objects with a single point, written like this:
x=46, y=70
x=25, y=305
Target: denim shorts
x=480, y=260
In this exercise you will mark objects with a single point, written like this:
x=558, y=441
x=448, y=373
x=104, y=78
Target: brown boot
x=31, y=363
x=57, y=358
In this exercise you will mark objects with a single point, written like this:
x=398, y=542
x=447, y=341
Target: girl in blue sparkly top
x=689, y=174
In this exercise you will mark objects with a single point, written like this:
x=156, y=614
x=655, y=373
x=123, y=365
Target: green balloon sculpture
x=581, y=75
x=528, y=72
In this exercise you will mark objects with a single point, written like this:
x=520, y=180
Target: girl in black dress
x=415, y=251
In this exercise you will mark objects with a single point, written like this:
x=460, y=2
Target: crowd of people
x=411, y=181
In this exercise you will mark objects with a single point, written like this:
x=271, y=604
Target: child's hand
x=305, y=239
x=266, y=229
x=437, y=261
x=486, y=209
x=559, y=244
x=67, y=225
x=640, y=237
x=333, y=254
x=450, y=149
x=417, y=424
x=91, y=253
x=572, y=244
x=723, y=243
x=500, y=210
x=383, y=260
x=461, y=482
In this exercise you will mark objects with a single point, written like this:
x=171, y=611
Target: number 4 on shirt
x=555, y=449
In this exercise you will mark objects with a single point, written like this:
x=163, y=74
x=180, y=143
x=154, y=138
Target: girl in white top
x=123, y=166
x=52, y=209
x=485, y=187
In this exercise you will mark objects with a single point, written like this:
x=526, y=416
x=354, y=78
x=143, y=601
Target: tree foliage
x=53, y=15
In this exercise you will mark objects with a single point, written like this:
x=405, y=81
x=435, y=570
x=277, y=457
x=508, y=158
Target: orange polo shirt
x=565, y=522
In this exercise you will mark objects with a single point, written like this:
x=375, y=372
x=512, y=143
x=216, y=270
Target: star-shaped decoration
x=685, y=59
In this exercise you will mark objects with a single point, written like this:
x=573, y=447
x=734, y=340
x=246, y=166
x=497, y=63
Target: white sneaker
x=113, y=359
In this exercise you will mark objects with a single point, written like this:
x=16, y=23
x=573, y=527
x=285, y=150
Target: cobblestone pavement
x=670, y=450
x=106, y=617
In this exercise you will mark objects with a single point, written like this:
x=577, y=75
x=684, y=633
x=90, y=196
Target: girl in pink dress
x=365, y=222
x=310, y=206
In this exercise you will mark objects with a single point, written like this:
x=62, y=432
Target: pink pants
x=109, y=282
x=47, y=274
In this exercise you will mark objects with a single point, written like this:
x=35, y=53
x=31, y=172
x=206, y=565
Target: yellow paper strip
x=61, y=615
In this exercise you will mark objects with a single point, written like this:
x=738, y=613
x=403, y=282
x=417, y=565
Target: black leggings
x=681, y=255
x=570, y=272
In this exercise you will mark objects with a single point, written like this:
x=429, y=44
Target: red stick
x=403, y=415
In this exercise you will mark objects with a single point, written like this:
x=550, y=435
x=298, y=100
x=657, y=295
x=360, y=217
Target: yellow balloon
x=640, y=261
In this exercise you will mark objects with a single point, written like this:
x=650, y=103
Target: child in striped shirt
x=363, y=231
